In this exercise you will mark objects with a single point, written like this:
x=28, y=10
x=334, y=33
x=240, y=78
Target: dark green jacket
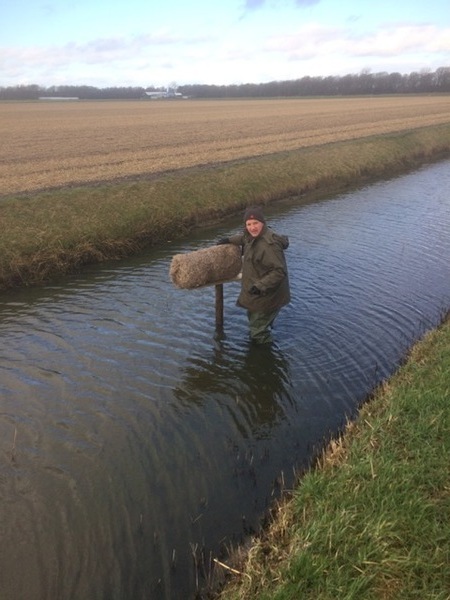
x=263, y=266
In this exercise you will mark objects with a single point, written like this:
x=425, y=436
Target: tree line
x=364, y=83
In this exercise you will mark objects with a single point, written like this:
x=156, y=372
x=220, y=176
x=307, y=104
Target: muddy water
x=136, y=443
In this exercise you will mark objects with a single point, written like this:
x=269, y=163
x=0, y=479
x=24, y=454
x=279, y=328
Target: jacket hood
x=275, y=238
x=284, y=241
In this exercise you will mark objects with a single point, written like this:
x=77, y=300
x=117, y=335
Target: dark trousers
x=260, y=325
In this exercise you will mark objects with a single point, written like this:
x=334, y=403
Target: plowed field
x=53, y=144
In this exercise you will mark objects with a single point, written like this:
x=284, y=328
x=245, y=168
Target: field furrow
x=46, y=145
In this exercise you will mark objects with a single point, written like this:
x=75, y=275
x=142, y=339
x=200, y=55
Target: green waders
x=260, y=325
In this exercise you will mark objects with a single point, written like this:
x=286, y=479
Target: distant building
x=165, y=94
x=58, y=98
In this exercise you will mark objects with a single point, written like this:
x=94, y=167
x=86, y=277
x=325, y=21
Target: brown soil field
x=56, y=144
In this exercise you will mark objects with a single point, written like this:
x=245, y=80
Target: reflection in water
x=258, y=381
x=135, y=445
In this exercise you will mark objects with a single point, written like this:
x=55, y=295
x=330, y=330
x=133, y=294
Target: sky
x=160, y=43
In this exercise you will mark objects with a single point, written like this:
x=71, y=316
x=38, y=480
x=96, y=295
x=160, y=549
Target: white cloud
x=318, y=40
x=403, y=40
x=311, y=39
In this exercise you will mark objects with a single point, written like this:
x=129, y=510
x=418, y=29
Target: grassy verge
x=373, y=520
x=49, y=234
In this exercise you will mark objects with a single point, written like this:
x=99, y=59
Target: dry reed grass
x=49, y=145
x=206, y=266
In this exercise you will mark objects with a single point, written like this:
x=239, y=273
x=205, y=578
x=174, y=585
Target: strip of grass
x=373, y=520
x=50, y=234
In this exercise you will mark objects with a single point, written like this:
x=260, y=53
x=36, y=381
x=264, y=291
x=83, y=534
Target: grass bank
x=46, y=235
x=373, y=520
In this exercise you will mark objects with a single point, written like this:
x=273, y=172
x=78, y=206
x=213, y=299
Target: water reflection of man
x=253, y=388
x=265, y=282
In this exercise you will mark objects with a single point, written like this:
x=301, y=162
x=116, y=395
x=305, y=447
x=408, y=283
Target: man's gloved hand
x=222, y=241
x=255, y=291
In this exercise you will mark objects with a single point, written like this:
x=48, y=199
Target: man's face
x=254, y=227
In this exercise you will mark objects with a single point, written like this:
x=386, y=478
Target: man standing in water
x=265, y=282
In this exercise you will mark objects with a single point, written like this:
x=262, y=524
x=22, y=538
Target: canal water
x=137, y=444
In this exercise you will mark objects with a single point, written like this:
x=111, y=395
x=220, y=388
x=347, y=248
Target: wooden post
x=219, y=306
